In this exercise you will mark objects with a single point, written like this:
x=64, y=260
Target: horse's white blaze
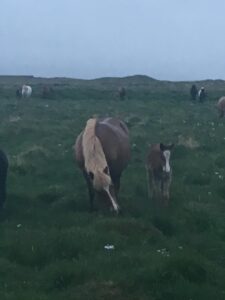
x=166, y=154
x=114, y=204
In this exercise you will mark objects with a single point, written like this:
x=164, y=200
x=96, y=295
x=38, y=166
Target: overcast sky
x=164, y=39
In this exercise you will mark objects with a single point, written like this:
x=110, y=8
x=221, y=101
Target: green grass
x=51, y=247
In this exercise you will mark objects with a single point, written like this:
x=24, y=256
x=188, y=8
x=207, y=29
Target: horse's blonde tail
x=95, y=162
x=94, y=157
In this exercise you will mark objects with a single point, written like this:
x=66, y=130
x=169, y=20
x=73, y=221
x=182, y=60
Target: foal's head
x=166, y=151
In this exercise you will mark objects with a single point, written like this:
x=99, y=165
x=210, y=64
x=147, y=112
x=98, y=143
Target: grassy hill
x=51, y=247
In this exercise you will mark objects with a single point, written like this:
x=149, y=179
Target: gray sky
x=164, y=39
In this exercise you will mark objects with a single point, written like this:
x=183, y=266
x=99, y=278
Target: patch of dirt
x=188, y=142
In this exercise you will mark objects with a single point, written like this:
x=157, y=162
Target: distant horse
x=122, y=93
x=159, y=172
x=26, y=91
x=3, y=177
x=221, y=106
x=102, y=151
x=201, y=94
x=47, y=92
x=193, y=92
x=19, y=93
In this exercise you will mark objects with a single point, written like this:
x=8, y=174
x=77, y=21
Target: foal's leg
x=149, y=179
x=156, y=190
x=166, y=189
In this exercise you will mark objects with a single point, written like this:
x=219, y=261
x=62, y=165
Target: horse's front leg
x=91, y=191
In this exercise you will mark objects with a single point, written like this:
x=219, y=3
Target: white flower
x=109, y=247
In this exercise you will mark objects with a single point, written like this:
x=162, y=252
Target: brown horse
x=102, y=151
x=159, y=172
x=47, y=92
x=122, y=92
x=221, y=106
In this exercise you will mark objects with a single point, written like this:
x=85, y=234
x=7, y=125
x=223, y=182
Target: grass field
x=51, y=247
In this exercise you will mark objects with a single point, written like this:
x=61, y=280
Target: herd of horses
x=201, y=95
x=197, y=94
x=25, y=91
x=102, y=151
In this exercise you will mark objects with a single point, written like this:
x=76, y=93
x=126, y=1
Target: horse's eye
x=91, y=175
x=106, y=170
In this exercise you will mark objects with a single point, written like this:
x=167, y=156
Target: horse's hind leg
x=221, y=113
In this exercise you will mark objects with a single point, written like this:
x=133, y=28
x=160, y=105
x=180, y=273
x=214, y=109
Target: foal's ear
x=171, y=146
x=162, y=147
x=166, y=147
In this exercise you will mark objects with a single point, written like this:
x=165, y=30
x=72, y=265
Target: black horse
x=193, y=92
x=19, y=93
x=3, y=177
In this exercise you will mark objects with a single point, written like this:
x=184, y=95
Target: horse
x=3, y=177
x=18, y=93
x=26, y=91
x=159, y=173
x=122, y=93
x=102, y=152
x=193, y=92
x=201, y=94
x=47, y=92
x=221, y=106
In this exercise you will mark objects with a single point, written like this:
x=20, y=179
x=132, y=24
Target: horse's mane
x=94, y=157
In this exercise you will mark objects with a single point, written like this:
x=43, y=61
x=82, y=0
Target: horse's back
x=221, y=101
x=26, y=90
x=115, y=125
x=154, y=157
x=114, y=137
